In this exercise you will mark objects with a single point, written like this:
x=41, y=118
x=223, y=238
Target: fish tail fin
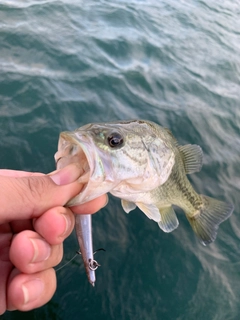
x=206, y=223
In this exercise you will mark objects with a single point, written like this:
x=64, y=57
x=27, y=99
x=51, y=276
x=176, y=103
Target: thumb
x=29, y=196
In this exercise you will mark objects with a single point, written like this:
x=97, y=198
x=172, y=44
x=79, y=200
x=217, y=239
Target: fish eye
x=115, y=139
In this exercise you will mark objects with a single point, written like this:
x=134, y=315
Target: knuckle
x=35, y=188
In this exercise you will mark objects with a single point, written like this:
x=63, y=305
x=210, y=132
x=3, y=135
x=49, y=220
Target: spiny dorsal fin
x=150, y=210
x=128, y=206
x=169, y=221
x=192, y=156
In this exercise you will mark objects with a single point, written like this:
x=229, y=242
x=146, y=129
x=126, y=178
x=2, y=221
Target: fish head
x=117, y=157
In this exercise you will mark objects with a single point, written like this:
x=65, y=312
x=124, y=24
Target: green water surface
x=67, y=63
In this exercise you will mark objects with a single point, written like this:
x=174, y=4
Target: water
x=67, y=63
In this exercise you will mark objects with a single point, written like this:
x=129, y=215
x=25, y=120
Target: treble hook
x=93, y=264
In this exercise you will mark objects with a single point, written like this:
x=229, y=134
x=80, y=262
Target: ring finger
x=30, y=291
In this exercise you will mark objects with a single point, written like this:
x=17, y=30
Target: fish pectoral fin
x=128, y=206
x=169, y=221
x=150, y=210
x=206, y=222
x=192, y=156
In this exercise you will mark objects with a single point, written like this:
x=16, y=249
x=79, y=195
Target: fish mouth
x=79, y=150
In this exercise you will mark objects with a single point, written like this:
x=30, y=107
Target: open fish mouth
x=76, y=155
x=79, y=150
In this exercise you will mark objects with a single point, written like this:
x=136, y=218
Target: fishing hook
x=93, y=264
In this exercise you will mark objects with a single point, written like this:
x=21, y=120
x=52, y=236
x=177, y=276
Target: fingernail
x=32, y=290
x=42, y=250
x=107, y=199
x=68, y=224
x=66, y=175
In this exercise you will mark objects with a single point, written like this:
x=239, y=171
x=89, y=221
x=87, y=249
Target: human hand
x=33, y=226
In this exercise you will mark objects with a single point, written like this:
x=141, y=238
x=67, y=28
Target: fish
x=142, y=163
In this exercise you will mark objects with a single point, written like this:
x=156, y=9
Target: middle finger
x=30, y=253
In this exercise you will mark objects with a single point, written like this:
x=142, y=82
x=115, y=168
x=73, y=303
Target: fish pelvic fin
x=128, y=206
x=192, y=156
x=150, y=210
x=205, y=224
x=169, y=221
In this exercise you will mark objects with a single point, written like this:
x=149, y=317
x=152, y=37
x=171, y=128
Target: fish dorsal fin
x=192, y=156
x=150, y=210
x=169, y=220
x=128, y=206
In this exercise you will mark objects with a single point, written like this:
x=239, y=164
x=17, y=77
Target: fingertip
x=21, y=249
x=67, y=174
x=28, y=292
x=31, y=253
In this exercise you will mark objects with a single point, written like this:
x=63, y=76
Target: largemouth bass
x=141, y=163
